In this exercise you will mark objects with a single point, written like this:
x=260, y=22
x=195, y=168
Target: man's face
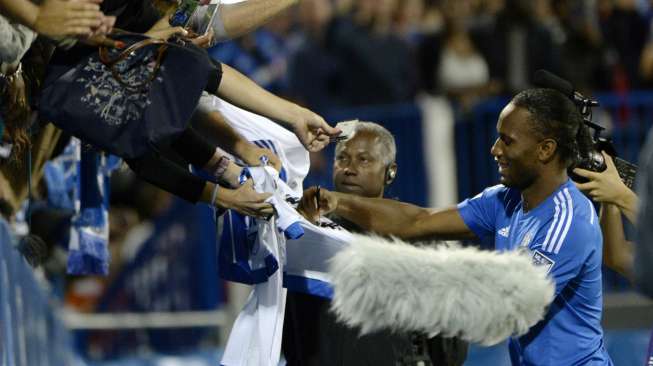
x=359, y=167
x=515, y=150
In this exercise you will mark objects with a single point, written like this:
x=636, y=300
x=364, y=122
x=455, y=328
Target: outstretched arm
x=310, y=128
x=215, y=129
x=245, y=16
x=56, y=18
x=387, y=217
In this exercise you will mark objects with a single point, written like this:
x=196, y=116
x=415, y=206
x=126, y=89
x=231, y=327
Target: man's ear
x=390, y=173
x=546, y=150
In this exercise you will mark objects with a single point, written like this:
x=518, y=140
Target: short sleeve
x=479, y=213
x=564, y=247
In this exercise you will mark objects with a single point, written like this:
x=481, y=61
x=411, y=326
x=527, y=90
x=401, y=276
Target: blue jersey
x=563, y=234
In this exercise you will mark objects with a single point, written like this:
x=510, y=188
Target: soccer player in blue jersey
x=536, y=208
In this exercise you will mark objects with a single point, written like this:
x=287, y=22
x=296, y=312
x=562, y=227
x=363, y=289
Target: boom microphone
x=545, y=79
x=479, y=296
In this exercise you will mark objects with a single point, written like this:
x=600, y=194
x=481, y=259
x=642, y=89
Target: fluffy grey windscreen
x=480, y=296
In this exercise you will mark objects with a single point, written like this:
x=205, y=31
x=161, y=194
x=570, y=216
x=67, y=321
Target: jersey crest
x=541, y=260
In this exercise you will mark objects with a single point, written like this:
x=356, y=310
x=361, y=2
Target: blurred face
x=515, y=150
x=359, y=167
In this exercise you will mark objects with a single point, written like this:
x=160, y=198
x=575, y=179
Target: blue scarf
x=79, y=180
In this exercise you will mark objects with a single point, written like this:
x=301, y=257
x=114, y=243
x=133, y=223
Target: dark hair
x=554, y=115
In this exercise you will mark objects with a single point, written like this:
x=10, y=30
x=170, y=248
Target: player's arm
x=245, y=16
x=387, y=217
x=617, y=251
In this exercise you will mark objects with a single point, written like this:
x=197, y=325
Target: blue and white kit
x=285, y=252
x=563, y=234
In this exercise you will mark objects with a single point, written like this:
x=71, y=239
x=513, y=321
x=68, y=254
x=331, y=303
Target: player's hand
x=245, y=200
x=316, y=202
x=313, y=131
x=605, y=186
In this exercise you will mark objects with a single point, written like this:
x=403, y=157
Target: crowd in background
x=335, y=54
x=340, y=53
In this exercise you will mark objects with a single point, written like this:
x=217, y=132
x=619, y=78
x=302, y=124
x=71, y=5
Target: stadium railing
x=31, y=333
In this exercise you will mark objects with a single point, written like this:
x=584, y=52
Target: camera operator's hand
x=245, y=200
x=607, y=187
x=312, y=130
x=316, y=202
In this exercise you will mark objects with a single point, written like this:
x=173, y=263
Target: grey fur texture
x=480, y=296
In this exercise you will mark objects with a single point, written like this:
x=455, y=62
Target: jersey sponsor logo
x=541, y=260
x=504, y=231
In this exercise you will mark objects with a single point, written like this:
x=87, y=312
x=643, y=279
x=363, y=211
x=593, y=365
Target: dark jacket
x=313, y=336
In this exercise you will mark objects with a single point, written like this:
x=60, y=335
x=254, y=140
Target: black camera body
x=589, y=157
x=594, y=161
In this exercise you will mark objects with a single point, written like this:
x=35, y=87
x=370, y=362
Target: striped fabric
x=562, y=220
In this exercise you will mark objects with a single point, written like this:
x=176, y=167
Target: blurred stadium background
x=436, y=73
